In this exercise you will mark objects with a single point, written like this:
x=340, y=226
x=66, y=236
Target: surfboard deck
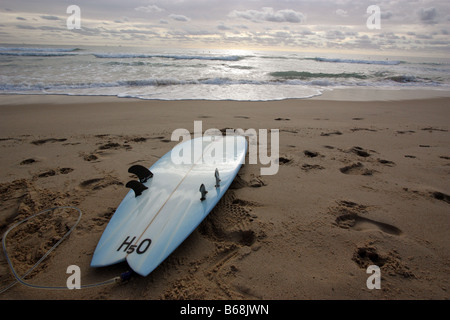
x=146, y=228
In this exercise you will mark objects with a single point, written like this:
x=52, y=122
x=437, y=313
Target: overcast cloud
x=420, y=26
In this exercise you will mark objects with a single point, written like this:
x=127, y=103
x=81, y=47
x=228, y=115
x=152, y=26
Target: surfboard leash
x=20, y=279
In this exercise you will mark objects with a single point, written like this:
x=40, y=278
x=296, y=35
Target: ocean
x=162, y=74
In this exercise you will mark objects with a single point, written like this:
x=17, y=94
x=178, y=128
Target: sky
x=402, y=26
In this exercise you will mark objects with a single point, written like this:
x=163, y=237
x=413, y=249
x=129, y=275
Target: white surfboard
x=167, y=205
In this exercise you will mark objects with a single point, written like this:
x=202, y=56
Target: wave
x=129, y=64
x=289, y=78
x=411, y=79
x=276, y=57
x=381, y=62
x=36, y=54
x=123, y=83
x=141, y=63
x=27, y=49
x=204, y=81
x=304, y=75
x=241, y=67
x=164, y=56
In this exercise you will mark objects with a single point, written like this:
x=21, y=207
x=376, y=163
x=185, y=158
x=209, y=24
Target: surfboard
x=169, y=201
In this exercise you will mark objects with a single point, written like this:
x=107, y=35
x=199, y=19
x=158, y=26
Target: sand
x=359, y=183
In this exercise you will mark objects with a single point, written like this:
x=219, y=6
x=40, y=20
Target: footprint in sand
x=28, y=161
x=358, y=223
x=308, y=167
x=109, y=145
x=138, y=139
x=357, y=169
x=65, y=170
x=100, y=183
x=386, y=162
x=349, y=218
x=43, y=141
x=363, y=129
x=431, y=129
x=367, y=255
x=327, y=134
x=232, y=228
x=230, y=221
x=391, y=262
x=90, y=157
x=360, y=152
x=101, y=219
x=441, y=196
x=310, y=154
x=54, y=172
x=255, y=182
x=284, y=160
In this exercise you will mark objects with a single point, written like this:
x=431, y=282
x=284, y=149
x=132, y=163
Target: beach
x=359, y=183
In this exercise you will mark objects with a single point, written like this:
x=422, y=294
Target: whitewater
x=148, y=73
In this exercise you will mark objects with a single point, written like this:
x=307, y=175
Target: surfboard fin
x=203, y=192
x=141, y=172
x=217, y=178
x=137, y=187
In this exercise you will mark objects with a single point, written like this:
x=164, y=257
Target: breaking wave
x=380, y=62
x=303, y=75
x=165, y=56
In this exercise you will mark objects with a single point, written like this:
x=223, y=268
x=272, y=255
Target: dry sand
x=359, y=184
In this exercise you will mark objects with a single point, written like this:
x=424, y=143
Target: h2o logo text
x=129, y=247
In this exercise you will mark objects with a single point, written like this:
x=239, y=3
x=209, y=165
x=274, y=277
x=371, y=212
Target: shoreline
x=359, y=183
x=336, y=94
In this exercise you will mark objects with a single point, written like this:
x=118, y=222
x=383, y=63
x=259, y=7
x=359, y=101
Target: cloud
x=308, y=24
x=341, y=13
x=54, y=18
x=335, y=35
x=179, y=17
x=26, y=27
x=223, y=27
x=428, y=15
x=386, y=15
x=149, y=9
x=307, y=32
x=268, y=14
